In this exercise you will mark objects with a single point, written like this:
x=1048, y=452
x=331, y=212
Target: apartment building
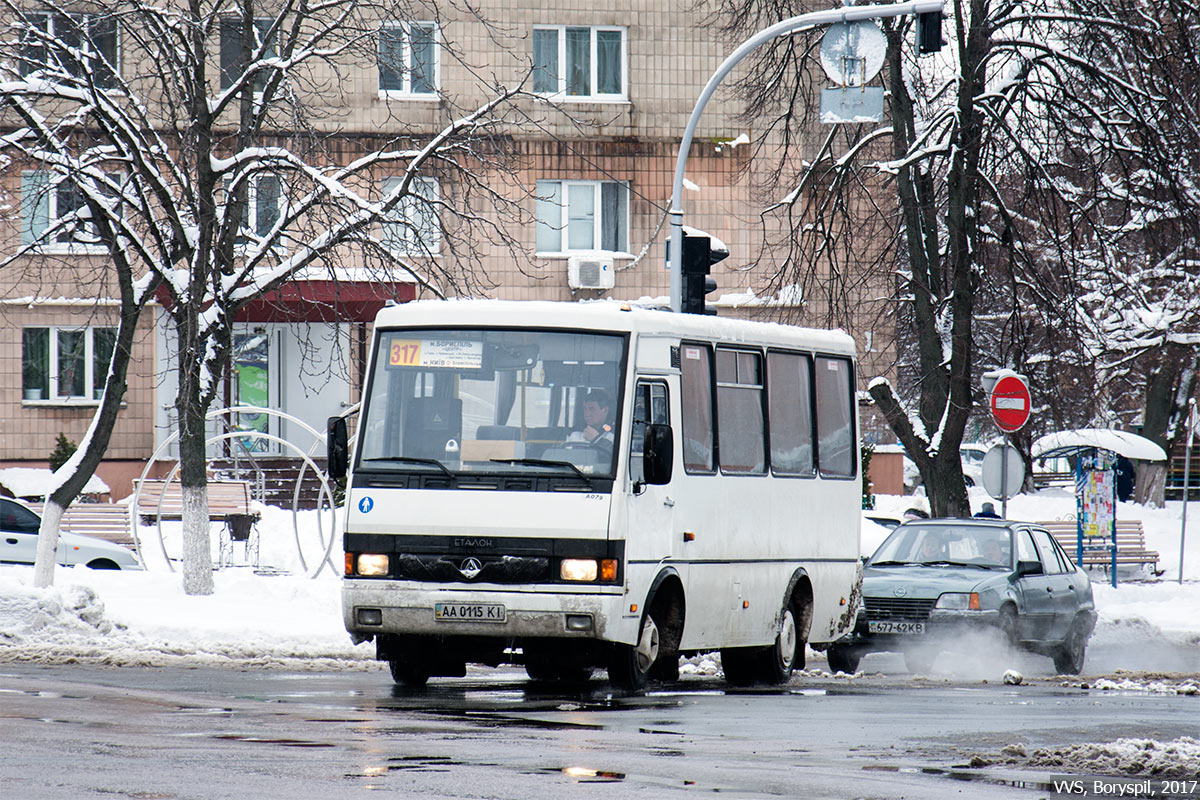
x=593, y=142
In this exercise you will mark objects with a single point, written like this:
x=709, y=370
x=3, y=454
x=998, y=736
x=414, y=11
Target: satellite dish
x=852, y=53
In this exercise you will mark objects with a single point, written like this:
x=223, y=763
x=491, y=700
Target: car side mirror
x=1029, y=568
x=658, y=454
x=337, y=447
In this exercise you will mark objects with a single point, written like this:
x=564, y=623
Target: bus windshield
x=504, y=400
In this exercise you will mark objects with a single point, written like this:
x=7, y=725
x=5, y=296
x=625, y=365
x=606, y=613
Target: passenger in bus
x=597, y=427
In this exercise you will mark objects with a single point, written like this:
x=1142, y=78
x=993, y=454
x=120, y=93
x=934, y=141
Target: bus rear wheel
x=629, y=665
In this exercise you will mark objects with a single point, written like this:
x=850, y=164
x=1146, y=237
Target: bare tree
x=234, y=179
x=967, y=170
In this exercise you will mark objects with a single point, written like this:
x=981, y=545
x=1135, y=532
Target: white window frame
x=47, y=197
x=544, y=203
x=86, y=20
x=406, y=68
x=593, y=96
x=92, y=384
x=406, y=234
x=251, y=219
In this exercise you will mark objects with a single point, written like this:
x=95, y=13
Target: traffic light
x=929, y=32
x=698, y=257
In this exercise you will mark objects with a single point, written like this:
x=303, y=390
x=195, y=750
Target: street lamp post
x=787, y=27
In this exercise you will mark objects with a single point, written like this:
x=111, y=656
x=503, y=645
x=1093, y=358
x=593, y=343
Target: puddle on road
x=235, y=737
x=1035, y=782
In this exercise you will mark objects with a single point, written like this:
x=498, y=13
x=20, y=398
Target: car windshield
x=470, y=401
x=972, y=545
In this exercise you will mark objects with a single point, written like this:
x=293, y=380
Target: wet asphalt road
x=159, y=734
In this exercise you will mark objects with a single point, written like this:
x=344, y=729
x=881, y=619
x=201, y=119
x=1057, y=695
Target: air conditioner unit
x=590, y=272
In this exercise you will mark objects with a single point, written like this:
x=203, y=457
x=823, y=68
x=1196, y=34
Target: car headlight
x=959, y=601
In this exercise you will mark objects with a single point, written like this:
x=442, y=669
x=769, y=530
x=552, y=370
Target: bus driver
x=597, y=429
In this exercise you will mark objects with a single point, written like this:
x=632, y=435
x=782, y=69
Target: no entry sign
x=1010, y=403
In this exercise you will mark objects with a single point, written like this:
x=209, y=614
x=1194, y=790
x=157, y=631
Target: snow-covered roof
x=607, y=315
x=1124, y=443
x=38, y=483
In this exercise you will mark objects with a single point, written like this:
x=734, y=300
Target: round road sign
x=1010, y=403
x=1003, y=472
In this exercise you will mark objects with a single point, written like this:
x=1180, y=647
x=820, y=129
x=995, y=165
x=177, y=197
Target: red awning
x=322, y=301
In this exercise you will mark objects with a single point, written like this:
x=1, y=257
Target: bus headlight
x=579, y=569
x=372, y=564
x=958, y=601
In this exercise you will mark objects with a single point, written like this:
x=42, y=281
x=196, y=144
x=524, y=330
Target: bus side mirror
x=658, y=451
x=337, y=447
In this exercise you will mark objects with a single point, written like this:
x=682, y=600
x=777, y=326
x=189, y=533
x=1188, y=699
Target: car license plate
x=469, y=612
x=889, y=626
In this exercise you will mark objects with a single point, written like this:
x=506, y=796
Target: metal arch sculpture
x=325, y=495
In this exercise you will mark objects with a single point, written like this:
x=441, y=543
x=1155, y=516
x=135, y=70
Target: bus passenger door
x=650, y=537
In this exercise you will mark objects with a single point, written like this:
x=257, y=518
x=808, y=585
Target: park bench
x=107, y=521
x=159, y=499
x=1131, y=545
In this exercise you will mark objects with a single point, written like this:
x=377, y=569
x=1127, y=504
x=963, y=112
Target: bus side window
x=649, y=407
x=835, y=417
x=695, y=394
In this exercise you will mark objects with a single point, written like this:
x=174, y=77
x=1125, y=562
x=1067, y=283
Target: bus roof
x=608, y=315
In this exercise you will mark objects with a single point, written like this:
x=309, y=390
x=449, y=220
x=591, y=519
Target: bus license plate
x=888, y=626
x=468, y=612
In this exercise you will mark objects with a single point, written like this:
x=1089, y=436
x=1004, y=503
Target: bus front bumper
x=371, y=607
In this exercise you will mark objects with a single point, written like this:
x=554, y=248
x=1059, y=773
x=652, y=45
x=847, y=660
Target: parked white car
x=19, y=535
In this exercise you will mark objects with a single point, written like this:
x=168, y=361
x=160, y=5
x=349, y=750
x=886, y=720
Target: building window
x=582, y=216
x=65, y=363
x=579, y=63
x=836, y=445
x=408, y=58
x=416, y=229
x=264, y=206
x=85, y=46
x=233, y=62
x=740, y=420
x=61, y=207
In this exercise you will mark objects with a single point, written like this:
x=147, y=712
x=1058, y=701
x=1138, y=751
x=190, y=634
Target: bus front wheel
x=629, y=665
x=409, y=673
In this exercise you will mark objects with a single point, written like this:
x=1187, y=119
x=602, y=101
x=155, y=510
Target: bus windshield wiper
x=433, y=462
x=542, y=462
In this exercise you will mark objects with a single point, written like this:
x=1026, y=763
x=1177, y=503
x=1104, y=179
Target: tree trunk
x=193, y=476
x=1151, y=483
x=47, y=546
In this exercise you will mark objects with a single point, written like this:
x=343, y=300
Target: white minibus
x=577, y=485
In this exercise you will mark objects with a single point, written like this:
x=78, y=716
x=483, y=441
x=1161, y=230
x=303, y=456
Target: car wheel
x=409, y=673
x=843, y=659
x=1007, y=624
x=102, y=563
x=629, y=665
x=920, y=661
x=777, y=661
x=1068, y=658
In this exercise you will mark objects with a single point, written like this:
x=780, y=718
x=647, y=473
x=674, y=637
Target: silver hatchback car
x=19, y=536
x=931, y=579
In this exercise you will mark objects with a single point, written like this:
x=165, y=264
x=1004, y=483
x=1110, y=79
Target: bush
x=64, y=448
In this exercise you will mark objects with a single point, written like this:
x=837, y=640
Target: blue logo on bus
x=366, y=504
